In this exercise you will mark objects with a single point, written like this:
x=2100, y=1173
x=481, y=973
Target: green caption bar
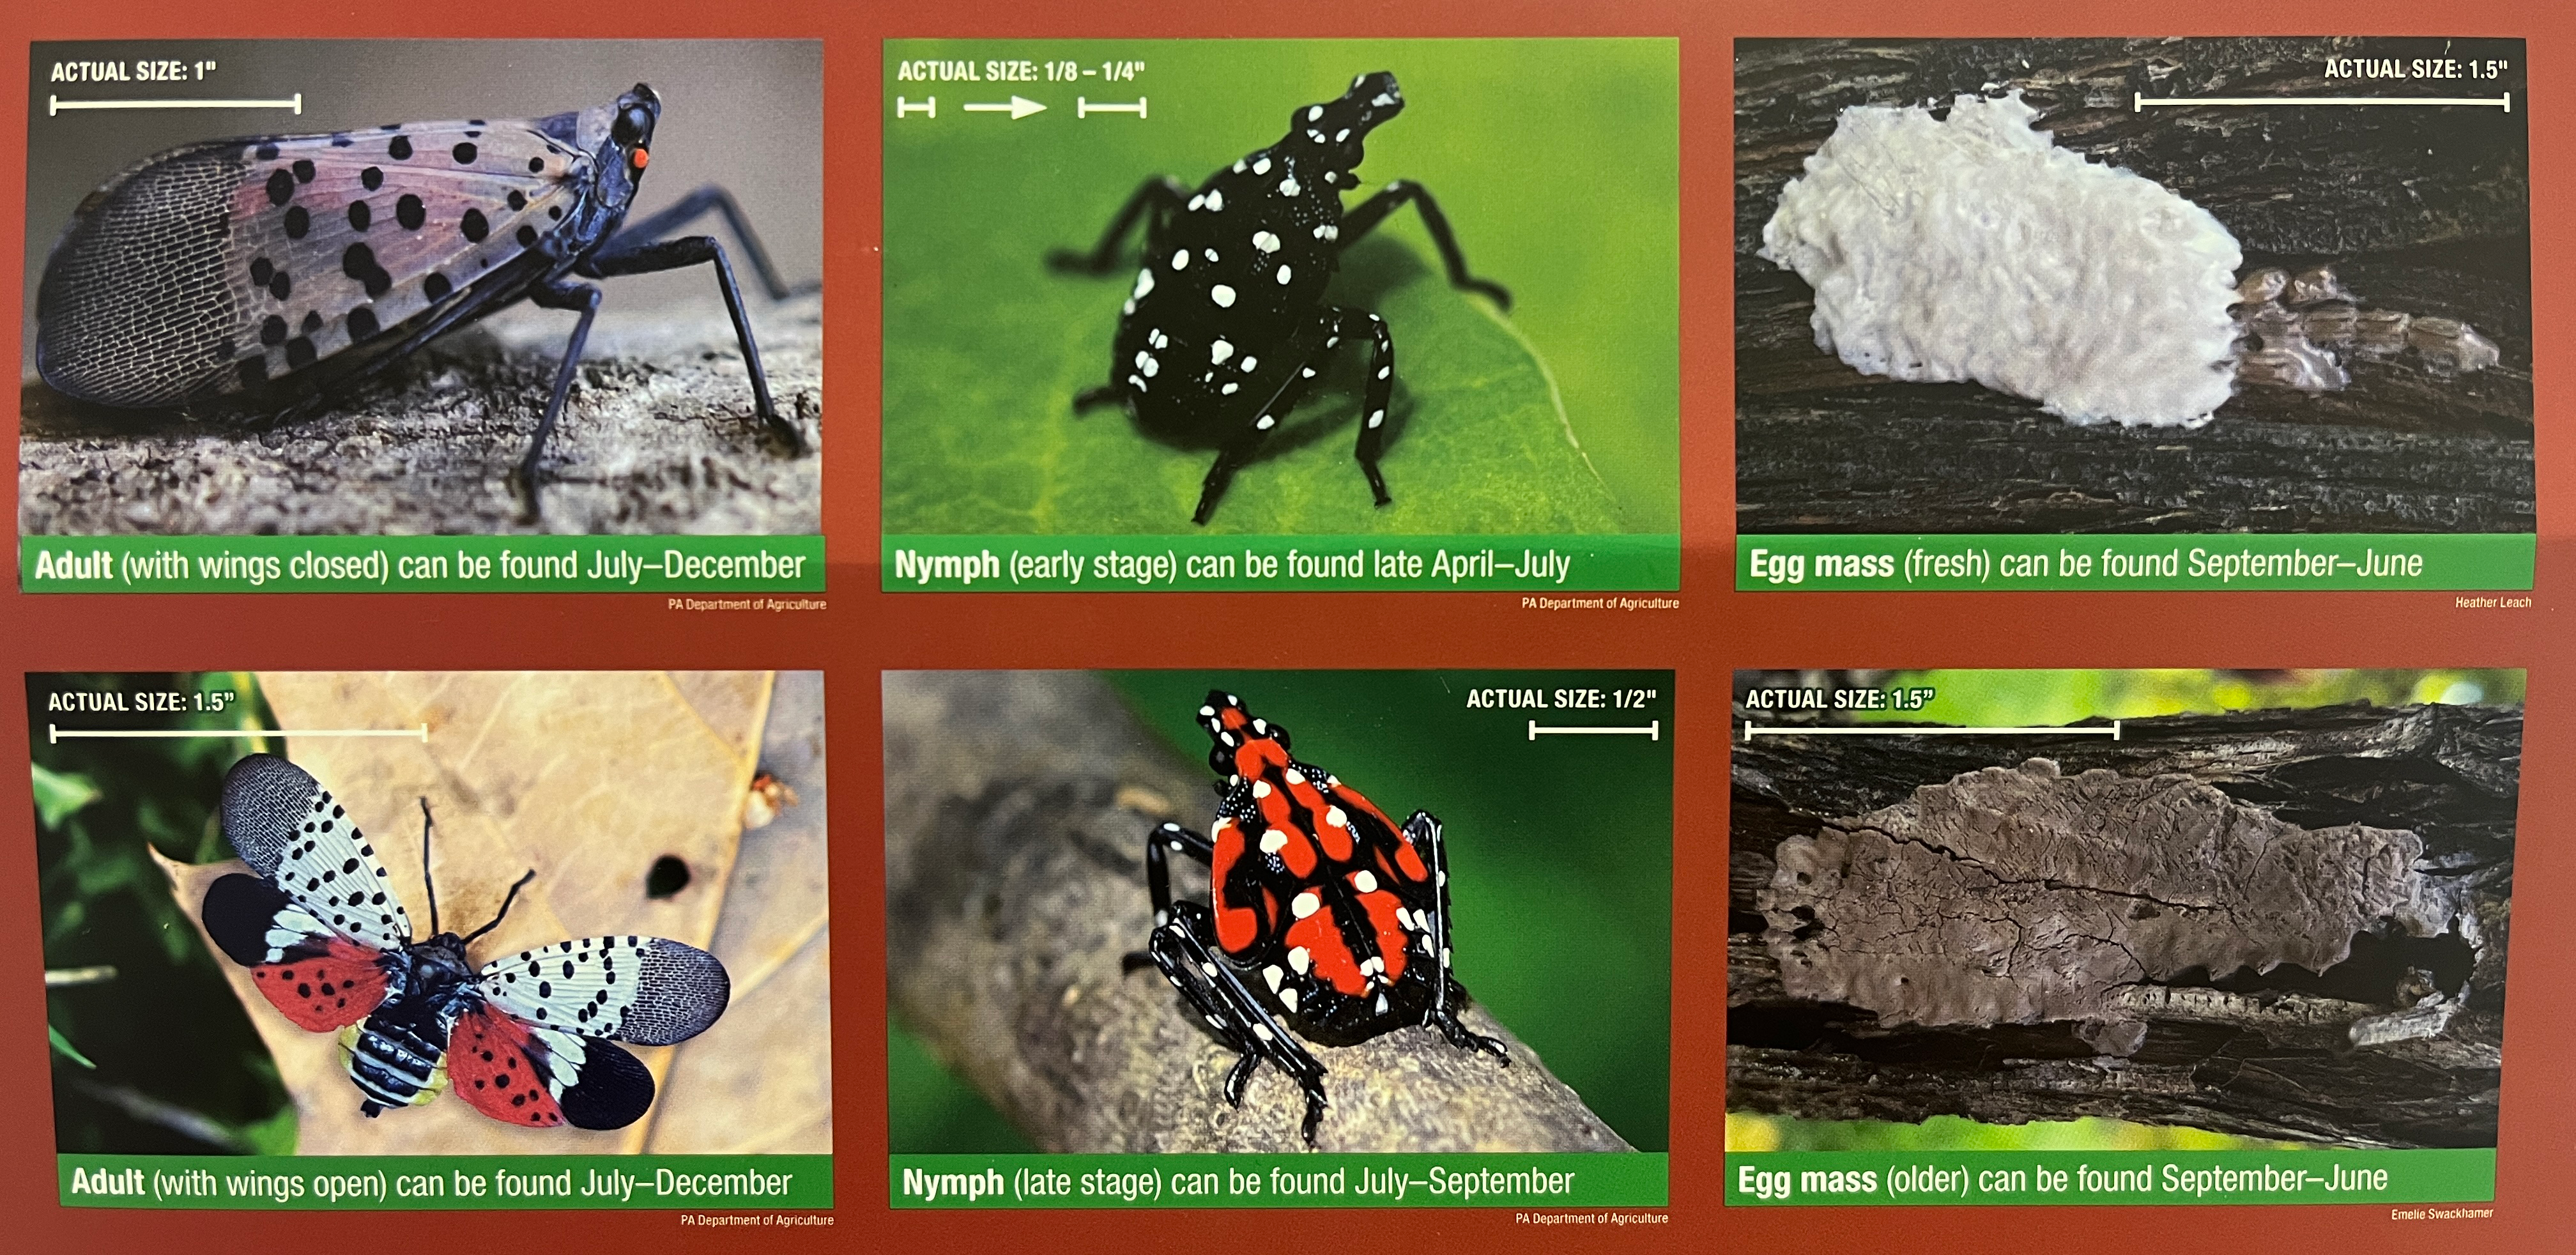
x=2131, y=563
x=1203, y=563
x=1846, y=1178
x=420, y=564
x=447, y=1182
x=1250, y=1180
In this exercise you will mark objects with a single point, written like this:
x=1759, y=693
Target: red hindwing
x=498, y=1065
x=328, y=990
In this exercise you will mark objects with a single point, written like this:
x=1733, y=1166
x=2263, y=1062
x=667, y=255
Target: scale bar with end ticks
x=2138, y=102
x=1083, y=108
x=56, y=104
x=1652, y=732
x=54, y=734
x=1751, y=730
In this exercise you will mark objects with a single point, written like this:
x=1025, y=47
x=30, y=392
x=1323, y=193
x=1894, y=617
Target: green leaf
x=1552, y=159
x=63, y=1046
x=59, y=795
x=272, y=1136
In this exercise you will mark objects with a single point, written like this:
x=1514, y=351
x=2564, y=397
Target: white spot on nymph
x=1309, y=372
x=1259, y=167
x=1247, y=364
x=1331, y=177
x=1343, y=134
x=1156, y=338
x=1218, y=352
x=1230, y=389
x=1288, y=186
x=1288, y=997
x=1180, y=259
x=1337, y=817
x=1198, y=200
x=1317, y=136
x=1153, y=366
x=1382, y=370
x=1314, y=113
x=1261, y=726
x=1273, y=841
x=1273, y=975
x=1330, y=341
x=1377, y=418
x=1382, y=100
x=1444, y=956
x=1129, y=307
x=1144, y=282
x=1381, y=1003
x=1327, y=231
x=1137, y=382
x=1238, y=165
x=1283, y=274
x=1141, y=358
x=1364, y=880
x=1260, y=788
x=1222, y=295
x=1298, y=959
x=1206, y=712
x=1210, y=969
x=1211, y=253
x=1265, y=241
x=1163, y=917
x=1333, y=780
x=1294, y=776
x=1216, y=202
x=1372, y=965
x=1305, y=904
x=1265, y=423
x=1261, y=1031
x=1442, y=879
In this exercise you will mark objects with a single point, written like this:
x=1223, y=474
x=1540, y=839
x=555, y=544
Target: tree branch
x=1016, y=809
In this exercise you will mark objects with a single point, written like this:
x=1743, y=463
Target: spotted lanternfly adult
x=1324, y=916
x=1227, y=326
x=525, y=1040
x=263, y=275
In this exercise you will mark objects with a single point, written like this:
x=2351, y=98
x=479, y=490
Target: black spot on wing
x=238, y=910
x=400, y=148
x=410, y=212
x=359, y=215
x=359, y=262
x=372, y=177
x=281, y=187
x=362, y=324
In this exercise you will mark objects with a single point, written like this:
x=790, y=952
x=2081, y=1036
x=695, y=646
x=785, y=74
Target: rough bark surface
x=1016, y=809
x=658, y=437
x=2396, y=1042
x=2405, y=448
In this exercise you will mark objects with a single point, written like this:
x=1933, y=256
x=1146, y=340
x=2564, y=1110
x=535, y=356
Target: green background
x=1560, y=865
x=1555, y=160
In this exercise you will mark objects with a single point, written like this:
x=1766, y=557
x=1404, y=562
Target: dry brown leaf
x=587, y=778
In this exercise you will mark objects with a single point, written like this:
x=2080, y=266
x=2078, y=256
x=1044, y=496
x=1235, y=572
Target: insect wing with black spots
x=214, y=269
x=317, y=923
x=539, y=1051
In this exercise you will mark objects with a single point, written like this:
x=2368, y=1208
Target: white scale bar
x=1752, y=730
x=54, y=734
x=56, y=104
x=906, y=108
x=1083, y=108
x=2138, y=102
x=1652, y=732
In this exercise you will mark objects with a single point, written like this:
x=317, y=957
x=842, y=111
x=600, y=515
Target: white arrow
x=1020, y=107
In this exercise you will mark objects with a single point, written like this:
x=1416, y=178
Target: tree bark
x=2424, y=210
x=2259, y=1054
x=1017, y=805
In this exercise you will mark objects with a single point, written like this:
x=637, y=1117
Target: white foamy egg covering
x=1976, y=249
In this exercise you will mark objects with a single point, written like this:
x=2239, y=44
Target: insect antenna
x=513, y=896
x=425, y=877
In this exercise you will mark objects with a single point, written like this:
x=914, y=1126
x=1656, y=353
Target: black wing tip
x=237, y=910
x=614, y=1089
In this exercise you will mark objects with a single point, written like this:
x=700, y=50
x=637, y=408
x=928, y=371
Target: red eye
x=640, y=157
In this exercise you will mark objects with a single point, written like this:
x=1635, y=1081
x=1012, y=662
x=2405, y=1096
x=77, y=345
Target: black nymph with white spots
x=527, y=1039
x=1227, y=326
x=262, y=275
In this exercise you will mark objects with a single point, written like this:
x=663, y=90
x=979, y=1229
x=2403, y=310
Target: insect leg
x=1161, y=842
x=556, y=294
x=1359, y=222
x=1219, y=994
x=1448, y=997
x=695, y=250
x=1231, y=456
x=1162, y=195
x=1381, y=388
x=696, y=205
